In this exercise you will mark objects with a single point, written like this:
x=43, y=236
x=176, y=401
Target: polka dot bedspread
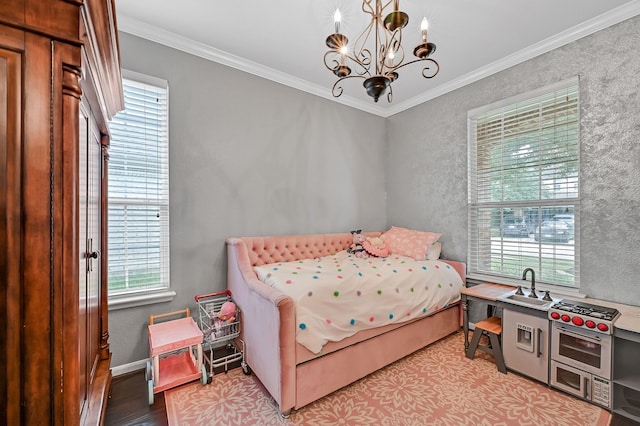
x=338, y=295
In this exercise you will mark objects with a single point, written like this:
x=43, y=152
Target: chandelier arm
x=381, y=48
x=363, y=60
x=337, y=90
x=386, y=5
x=381, y=38
x=388, y=41
x=367, y=8
x=435, y=73
x=371, y=9
x=362, y=71
x=359, y=46
x=433, y=61
x=394, y=44
x=332, y=61
x=390, y=94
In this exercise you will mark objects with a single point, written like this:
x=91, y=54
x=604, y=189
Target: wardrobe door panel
x=90, y=171
x=41, y=328
x=83, y=266
x=94, y=183
x=10, y=243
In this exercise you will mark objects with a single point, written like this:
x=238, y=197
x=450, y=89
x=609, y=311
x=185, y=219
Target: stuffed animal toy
x=356, y=248
x=375, y=247
x=227, y=312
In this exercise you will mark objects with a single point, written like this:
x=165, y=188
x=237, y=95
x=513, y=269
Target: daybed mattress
x=338, y=295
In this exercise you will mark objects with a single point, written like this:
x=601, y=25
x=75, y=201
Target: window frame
x=476, y=254
x=162, y=292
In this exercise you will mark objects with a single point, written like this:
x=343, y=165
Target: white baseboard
x=129, y=368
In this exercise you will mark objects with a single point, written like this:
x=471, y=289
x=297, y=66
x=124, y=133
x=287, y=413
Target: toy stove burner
x=580, y=314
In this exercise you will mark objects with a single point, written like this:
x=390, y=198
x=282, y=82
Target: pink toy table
x=173, y=362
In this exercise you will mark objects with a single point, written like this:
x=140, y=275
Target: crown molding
x=141, y=29
x=149, y=32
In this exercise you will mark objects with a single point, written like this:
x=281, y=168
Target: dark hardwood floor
x=619, y=420
x=129, y=403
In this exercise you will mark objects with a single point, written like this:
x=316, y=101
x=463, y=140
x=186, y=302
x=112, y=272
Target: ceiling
x=284, y=40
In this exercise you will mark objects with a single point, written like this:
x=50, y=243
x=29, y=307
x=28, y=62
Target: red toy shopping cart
x=219, y=321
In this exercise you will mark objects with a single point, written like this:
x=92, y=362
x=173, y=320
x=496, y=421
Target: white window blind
x=524, y=186
x=139, y=190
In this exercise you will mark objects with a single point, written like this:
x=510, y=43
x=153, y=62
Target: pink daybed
x=293, y=375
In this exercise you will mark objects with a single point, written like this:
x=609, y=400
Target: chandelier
x=380, y=68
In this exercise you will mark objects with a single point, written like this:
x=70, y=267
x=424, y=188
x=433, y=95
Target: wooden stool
x=492, y=327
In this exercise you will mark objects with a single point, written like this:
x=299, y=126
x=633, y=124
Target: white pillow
x=434, y=251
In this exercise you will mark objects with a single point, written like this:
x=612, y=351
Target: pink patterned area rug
x=437, y=385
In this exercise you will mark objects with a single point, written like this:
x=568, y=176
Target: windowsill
x=131, y=301
x=555, y=289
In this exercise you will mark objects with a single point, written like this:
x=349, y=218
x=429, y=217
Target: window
x=139, y=191
x=524, y=187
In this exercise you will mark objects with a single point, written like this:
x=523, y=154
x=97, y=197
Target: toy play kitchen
x=562, y=342
x=581, y=343
x=585, y=347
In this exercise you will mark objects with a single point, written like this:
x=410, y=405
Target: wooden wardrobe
x=60, y=83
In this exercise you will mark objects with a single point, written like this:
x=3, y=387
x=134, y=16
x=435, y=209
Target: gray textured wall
x=427, y=166
x=249, y=157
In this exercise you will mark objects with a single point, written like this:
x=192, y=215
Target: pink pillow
x=408, y=242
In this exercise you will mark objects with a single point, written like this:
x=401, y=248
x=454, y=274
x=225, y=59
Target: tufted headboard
x=285, y=248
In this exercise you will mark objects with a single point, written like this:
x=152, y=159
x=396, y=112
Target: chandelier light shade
x=383, y=34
